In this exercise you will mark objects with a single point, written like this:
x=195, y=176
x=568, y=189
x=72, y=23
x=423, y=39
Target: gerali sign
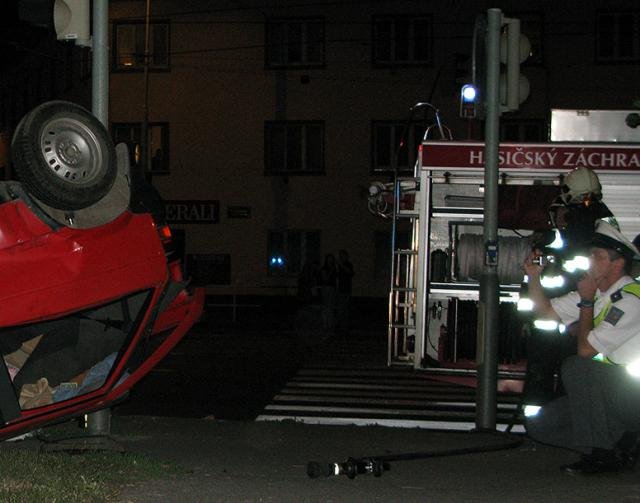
x=533, y=156
x=192, y=212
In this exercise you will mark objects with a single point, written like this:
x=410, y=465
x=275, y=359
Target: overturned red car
x=91, y=296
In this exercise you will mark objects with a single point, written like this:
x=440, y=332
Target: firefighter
x=573, y=215
x=578, y=207
x=600, y=413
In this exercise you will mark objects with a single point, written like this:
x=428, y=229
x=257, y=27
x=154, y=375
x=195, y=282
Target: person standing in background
x=327, y=281
x=343, y=299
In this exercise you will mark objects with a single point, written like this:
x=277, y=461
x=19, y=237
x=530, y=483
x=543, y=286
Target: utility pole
x=487, y=351
x=99, y=423
x=144, y=129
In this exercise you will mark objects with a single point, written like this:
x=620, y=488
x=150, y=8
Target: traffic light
x=515, y=48
x=68, y=18
x=71, y=21
x=468, y=102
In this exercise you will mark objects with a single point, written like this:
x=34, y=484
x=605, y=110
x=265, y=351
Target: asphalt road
x=227, y=370
x=215, y=373
x=235, y=461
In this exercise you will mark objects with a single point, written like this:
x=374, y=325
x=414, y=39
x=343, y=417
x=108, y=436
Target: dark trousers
x=602, y=402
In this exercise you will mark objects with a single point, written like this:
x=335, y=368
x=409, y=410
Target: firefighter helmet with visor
x=580, y=185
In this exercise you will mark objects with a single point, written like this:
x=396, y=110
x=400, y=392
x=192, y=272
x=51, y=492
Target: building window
x=387, y=135
x=129, y=42
x=290, y=250
x=295, y=43
x=617, y=37
x=294, y=147
x=523, y=130
x=402, y=40
x=158, y=151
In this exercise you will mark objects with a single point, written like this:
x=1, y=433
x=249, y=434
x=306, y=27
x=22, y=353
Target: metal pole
x=489, y=286
x=144, y=130
x=99, y=423
x=100, y=62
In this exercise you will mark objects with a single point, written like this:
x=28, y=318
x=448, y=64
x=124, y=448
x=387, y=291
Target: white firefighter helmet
x=580, y=184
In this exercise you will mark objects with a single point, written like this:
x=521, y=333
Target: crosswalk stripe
x=391, y=423
x=406, y=402
x=346, y=381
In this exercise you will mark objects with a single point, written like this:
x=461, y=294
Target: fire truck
x=437, y=243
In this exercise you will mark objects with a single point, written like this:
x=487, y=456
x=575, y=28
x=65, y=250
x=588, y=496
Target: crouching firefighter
x=564, y=252
x=600, y=414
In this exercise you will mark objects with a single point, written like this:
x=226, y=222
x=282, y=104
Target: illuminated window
x=294, y=43
x=402, y=40
x=129, y=43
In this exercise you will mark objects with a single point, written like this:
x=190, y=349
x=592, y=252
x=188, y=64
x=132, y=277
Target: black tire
x=64, y=156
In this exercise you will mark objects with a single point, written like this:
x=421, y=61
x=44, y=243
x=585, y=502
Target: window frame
x=308, y=252
x=134, y=142
x=285, y=24
x=139, y=67
x=616, y=59
x=269, y=130
x=393, y=48
x=412, y=143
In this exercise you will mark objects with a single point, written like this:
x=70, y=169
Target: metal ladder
x=402, y=294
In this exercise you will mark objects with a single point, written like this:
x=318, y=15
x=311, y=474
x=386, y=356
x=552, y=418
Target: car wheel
x=63, y=155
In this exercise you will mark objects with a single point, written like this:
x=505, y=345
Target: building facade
x=269, y=120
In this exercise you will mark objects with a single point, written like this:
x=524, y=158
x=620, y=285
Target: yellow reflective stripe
x=632, y=288
x=597, y=319
x=603, y=359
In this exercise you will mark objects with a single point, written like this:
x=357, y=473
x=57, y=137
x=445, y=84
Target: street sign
x=192, y=211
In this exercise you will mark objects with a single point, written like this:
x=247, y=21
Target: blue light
x=276, y=261
x=468, y=93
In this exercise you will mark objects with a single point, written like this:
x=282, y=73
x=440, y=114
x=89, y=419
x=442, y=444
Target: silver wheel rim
x=71, y=150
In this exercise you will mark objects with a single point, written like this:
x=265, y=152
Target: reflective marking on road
x=392, y=423
x=401, y=399
x=346, y=381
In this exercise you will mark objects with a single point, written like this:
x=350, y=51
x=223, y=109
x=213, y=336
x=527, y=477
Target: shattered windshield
x=60, y=359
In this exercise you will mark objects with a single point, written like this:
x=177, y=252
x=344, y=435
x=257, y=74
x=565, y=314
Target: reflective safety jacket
x=633, y=289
